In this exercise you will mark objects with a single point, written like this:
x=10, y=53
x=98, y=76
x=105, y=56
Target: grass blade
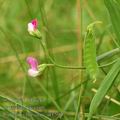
x=104, y=87
x=113, y=7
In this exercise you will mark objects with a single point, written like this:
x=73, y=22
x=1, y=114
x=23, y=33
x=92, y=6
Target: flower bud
x=32, y=28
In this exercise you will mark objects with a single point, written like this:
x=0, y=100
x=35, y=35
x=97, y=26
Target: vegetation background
x=63, y=24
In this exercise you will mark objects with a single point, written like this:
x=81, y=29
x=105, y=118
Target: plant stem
x=75, y=67
x=108, y=54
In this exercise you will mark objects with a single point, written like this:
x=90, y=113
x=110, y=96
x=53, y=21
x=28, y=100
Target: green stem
x=108, y=54
x=75, y=67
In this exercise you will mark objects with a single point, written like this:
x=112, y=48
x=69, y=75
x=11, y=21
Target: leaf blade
x=113, y=7
x=104, y=87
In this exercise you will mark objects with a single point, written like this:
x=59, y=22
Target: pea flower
x=35, y=69
x=32, y=28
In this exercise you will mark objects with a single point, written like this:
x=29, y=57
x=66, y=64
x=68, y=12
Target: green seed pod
x=90, y=52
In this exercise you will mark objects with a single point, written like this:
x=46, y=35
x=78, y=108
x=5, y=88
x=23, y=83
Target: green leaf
x=90, y=52
x=113, y=7
x=104, y=87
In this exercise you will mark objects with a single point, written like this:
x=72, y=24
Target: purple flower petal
x=35, y=23
x=33, y=63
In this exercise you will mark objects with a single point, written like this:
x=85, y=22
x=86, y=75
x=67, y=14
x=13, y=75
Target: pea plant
x=61, y=61
x=91, y=66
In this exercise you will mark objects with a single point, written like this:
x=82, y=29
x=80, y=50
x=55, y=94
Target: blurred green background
x=61, y=27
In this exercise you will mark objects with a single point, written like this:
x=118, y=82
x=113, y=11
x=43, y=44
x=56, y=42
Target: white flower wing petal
x=33, y=73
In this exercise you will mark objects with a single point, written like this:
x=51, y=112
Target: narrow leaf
x=113, y=7
x=104, y=87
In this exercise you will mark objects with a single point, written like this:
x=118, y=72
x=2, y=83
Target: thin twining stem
x=74, y=67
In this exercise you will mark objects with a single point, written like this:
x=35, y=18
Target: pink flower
x=32, y=62
x=32, y=26
x=33, y=70
x=32, y=29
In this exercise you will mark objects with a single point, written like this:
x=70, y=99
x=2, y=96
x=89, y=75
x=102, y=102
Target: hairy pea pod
x=90, y=52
